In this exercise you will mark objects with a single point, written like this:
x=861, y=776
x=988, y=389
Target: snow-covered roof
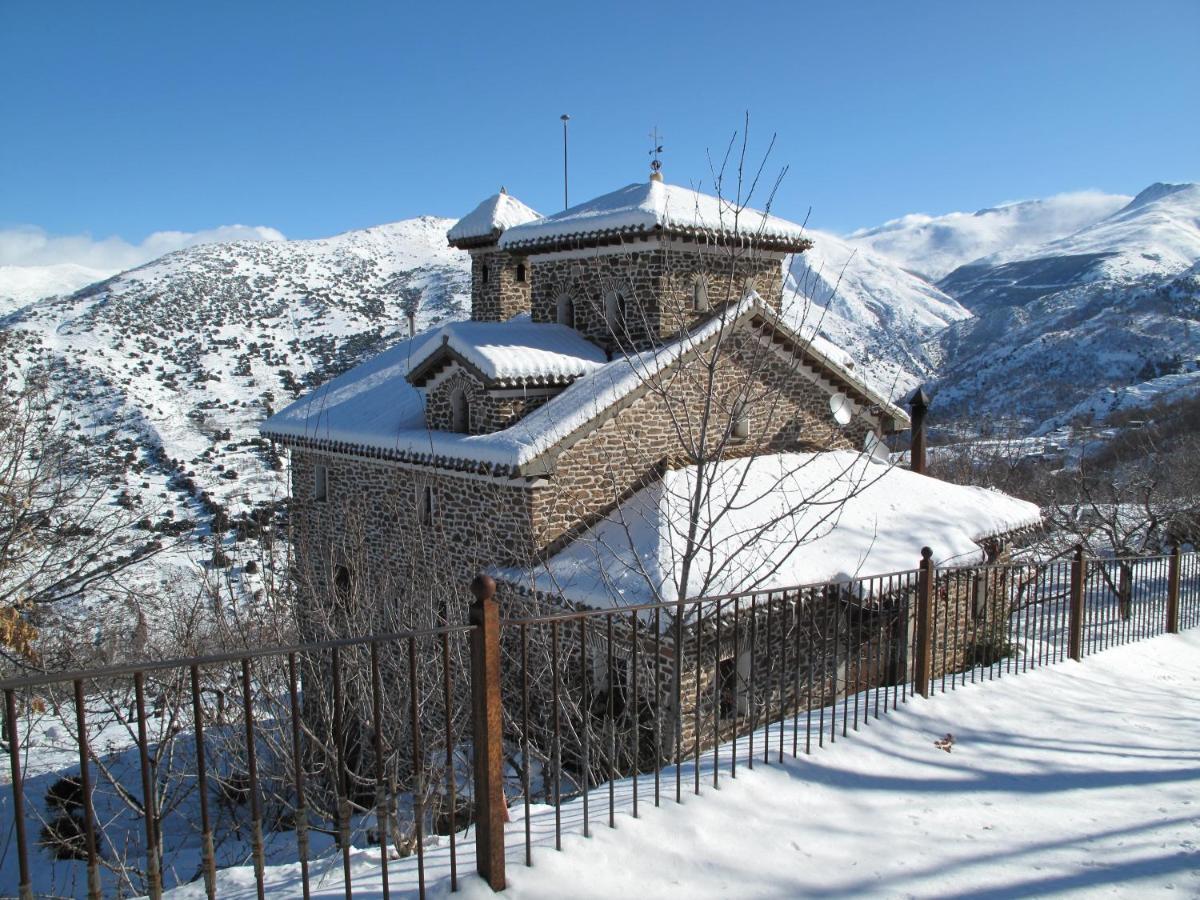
x=518, y=351
x=774, y=522
x=490, y=219
x=373, y=410
x=655, y=206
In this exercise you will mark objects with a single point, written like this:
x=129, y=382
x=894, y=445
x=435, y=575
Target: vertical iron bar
x=298, y=775
x=149, y=783
x=339, y=781
x=586, y=710
x=525, y=740
x=381, y=801
x=612, y=726
x=451, y=776
x=557, y=735
x=753, y=678
x=635, y=717
x=85, y=785
x=252, y=770
x=25, y=887
x=207, y=859
x=418, y=765
x=716, y=693
x=658, y=754
x=699, y=629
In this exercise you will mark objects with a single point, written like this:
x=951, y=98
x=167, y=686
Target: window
x=321, y=483
x=700, y=295
x=342, y=583
x=425, y=505
x=520, y=271
x=484, y=273
x=740, y=429
x=566, y=311
x=460, y=411
x=614, y=311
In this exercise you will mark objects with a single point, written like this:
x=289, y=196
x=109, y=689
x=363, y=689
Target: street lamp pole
x=565, y=118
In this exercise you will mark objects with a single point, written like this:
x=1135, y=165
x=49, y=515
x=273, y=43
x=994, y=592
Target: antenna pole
x=565, y=119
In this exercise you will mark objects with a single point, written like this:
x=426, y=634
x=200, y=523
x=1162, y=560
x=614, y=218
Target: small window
x=614, y=311
x=460, y=412
x=700, y=295
x=741, y=423
x=484, y=271
x=343, y=583
x=520, y=271
x=321, y=483
x=425, y=505
x=566, y=311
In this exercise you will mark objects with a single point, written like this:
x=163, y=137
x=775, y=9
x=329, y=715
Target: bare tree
x=63, y=536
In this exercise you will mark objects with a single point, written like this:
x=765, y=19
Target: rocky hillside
x=1113, y=305
x=167, y=369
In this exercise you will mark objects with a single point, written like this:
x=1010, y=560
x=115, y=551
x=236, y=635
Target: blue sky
x=123, y=119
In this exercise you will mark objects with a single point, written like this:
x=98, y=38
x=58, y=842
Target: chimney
x=412, y=323
x=918, y=404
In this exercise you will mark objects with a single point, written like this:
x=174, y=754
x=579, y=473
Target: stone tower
x=500, y=281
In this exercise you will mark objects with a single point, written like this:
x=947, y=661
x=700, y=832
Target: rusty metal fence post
x=1173, y=592
x=486, y=725
x=923, y=664
x=1075, y=622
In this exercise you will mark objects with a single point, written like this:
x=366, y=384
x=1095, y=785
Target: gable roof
x=516, y=352
x=486, y=222
x=774, y=522
x=374, y=411
x=656, y=207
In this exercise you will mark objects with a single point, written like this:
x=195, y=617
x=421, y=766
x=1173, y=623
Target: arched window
x=520, y=271
x=614, y=312
x=740, y=429
x=566, y=311
x=700, y=294
x=342, y=583
x=425, y=504
x=460, y=411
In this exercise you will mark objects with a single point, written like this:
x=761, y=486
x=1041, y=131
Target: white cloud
x=29, y=245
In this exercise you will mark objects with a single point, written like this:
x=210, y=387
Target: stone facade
x=500, y=285
x=489, y=410
x=658, y=283
x=786, y=408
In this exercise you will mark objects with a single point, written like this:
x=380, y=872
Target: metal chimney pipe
x=918, y=404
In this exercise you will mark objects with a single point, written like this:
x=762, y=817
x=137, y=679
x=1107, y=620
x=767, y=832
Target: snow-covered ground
x=1071, y=780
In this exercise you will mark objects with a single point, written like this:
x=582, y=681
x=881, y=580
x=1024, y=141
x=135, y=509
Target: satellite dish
x=876, y=449
x=842, y=408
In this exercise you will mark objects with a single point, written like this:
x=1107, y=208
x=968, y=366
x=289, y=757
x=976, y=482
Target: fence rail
x=152, y=775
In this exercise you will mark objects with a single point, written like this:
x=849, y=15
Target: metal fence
x=169, y=771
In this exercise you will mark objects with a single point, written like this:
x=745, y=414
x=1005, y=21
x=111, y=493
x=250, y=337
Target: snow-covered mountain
x=1114, y=304
x=933, y=246
x=869, y=305
x=20, y=285
x=167, y=369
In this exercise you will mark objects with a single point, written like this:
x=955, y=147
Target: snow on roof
x=773, y=522
x=518, y=350
x=373, y=408
x=490, y=218
x=654, y=206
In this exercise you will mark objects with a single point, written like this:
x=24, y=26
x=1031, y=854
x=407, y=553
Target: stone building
x=636, y=411
x=640, y=333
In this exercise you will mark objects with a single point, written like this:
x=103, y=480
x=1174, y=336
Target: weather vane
x=656, y=163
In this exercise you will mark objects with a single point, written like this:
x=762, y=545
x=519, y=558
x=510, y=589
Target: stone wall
x=497, y=293
x=372, y=522
x=489, y=410
x=786, y=411
x=658, y=284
